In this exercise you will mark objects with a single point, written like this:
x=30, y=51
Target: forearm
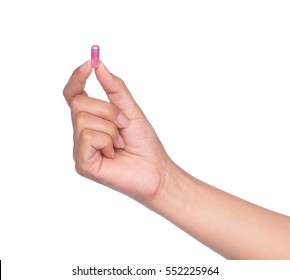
x=228, y=225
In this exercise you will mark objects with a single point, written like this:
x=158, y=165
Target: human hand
x=114, y=144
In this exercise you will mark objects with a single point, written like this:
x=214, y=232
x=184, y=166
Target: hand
x=114, y=144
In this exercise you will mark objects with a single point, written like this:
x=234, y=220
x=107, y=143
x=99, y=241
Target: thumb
x=118, y=93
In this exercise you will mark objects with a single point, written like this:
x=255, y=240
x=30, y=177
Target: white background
x=211, y=76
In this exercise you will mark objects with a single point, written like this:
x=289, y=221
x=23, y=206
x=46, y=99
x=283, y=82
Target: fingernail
x=84, y=66
x=121, y=142
x=122, y=120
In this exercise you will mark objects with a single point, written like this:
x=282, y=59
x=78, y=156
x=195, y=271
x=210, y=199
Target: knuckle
x=87, y=135
x=75, y=103
x=120, y=82
x=64, y=92
x=81, y=119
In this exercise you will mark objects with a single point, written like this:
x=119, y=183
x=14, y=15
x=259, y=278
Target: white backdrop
x=212, y=78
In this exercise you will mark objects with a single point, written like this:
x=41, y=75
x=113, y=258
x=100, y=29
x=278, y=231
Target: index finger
x=76, y=83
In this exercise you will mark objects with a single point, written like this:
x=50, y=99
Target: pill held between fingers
x=95, y=56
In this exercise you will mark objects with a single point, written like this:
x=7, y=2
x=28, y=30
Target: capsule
x=95, y=56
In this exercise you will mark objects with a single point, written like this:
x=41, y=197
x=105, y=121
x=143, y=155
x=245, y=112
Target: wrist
x=177, y=189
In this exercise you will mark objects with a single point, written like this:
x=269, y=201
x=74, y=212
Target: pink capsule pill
x=95, y=56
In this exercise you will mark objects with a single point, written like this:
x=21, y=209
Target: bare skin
x=115, y=145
